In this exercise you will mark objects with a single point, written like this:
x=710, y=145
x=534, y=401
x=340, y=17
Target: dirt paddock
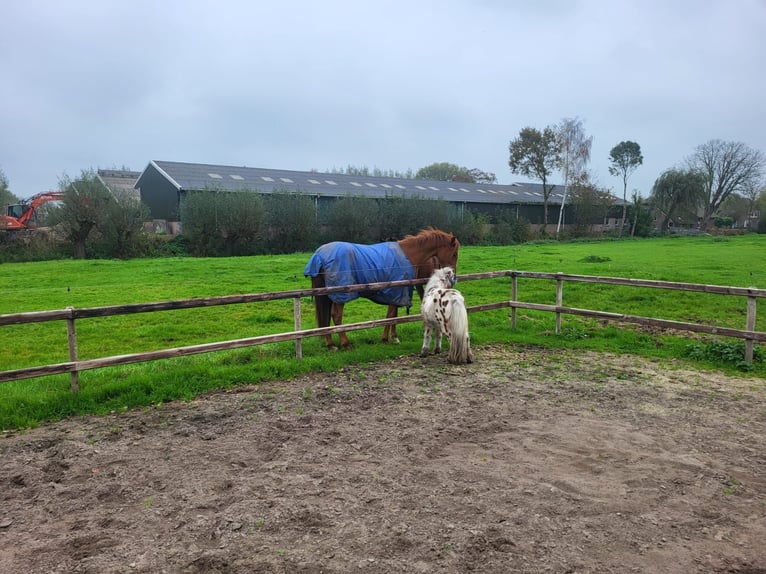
x=525, y=461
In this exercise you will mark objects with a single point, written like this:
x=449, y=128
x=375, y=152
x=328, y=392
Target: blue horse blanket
x=351, y=263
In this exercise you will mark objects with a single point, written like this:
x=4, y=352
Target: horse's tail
x=322, y=303
x=459, y=341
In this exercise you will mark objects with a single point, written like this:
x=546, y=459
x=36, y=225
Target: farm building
x=119, y=181
x=163, y=185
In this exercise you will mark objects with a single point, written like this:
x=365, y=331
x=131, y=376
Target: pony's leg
x=390, y=330
x=426, y=349
x=337, y=318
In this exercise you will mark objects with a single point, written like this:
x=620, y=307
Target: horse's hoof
x=424, y=353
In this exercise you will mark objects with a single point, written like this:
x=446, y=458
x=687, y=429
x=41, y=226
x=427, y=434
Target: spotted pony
x=443, y=310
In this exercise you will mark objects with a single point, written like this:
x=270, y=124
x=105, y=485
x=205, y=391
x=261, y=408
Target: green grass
x=735, y=261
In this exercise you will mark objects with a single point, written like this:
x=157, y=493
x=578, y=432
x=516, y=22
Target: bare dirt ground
x=525, y=461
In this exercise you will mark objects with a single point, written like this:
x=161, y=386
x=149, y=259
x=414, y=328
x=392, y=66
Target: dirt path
x=525, y=461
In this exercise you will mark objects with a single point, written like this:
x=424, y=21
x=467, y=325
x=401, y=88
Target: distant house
x=164, y=184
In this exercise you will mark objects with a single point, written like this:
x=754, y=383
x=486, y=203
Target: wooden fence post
x=514, y=297
x=297, y=319
x=72, y=339
x=559, y=300
x=750, y=326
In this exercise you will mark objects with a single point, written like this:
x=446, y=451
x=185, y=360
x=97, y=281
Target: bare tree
x=728, y=167
x=625, y=158
x=574, y=149
x=536, y=154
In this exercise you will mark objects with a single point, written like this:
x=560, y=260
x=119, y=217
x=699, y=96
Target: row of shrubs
x=228, y=224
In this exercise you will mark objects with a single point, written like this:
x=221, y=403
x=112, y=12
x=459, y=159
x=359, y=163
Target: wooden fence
x=74, y=366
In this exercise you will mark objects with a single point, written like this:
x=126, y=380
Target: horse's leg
x=393, y=311
x=337, y=317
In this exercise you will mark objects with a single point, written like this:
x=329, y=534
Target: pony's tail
x=459, y=341
x=322, y=303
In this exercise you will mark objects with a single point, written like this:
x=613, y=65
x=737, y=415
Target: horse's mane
x=430, y=235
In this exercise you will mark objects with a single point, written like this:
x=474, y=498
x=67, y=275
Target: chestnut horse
x=341, y=263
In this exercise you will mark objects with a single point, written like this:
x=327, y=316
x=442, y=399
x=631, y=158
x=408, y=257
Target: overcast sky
x=392, y=84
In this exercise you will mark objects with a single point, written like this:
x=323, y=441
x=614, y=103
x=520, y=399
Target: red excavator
x=21, y=216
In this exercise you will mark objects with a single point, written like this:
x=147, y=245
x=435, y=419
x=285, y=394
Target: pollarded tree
x=83, y=210
x=625, y=158
x=354, y=219
x=536, y=154
x=122, y=228
x=728, y=167
x=292, y=221
x=677, y=191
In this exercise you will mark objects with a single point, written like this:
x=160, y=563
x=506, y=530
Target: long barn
x=163, y=184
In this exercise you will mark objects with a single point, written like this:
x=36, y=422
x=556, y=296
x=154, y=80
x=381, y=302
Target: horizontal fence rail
x=75, y=365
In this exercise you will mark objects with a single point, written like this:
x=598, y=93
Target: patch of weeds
x=729, y=352
x=731, y=486
x=595, y=259
x=572, y=333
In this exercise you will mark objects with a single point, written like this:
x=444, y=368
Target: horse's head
x=447, y=251
x=429, y=250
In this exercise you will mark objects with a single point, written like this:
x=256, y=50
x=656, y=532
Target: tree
x=83, y=209
x=122, y=225
x=727, y=167
x=292, y=221
x=374, y=172
x=750, y=192
x=241, y=220
x=479, y=176
x=575, y=154
x=640, y=217
x=6, y=197
x=199, y=220
x=625, y=158
x=537, y=155
x=444, y=171
x=354, y=219
x=678, y=192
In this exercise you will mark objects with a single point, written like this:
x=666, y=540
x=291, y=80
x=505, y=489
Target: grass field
x=733, y=261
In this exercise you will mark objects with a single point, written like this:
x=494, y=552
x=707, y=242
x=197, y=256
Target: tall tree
x=625, y=158
x=678, y=191
x=536, y=154
x=728, y=167
x=575, y=155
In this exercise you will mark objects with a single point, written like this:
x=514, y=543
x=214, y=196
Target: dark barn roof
x=199, y=176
